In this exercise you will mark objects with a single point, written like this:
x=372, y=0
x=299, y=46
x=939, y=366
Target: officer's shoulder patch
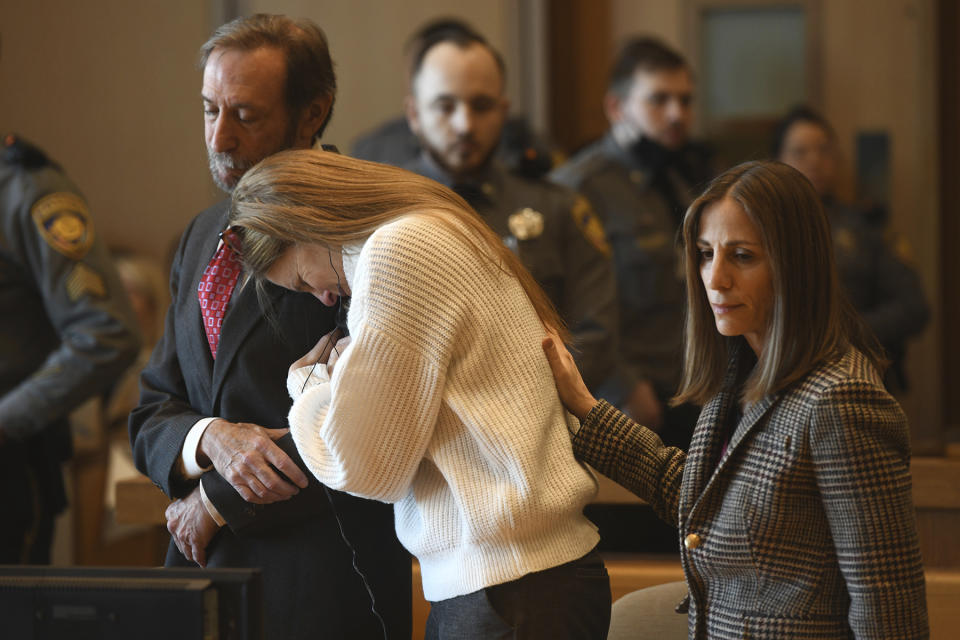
x=64, y=222
x=84, y=281
x=590, y=226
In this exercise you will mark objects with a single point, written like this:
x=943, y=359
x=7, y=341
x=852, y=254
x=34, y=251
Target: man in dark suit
x=209, y=428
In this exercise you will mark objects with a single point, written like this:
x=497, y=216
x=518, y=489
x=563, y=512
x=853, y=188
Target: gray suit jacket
x=804, y=526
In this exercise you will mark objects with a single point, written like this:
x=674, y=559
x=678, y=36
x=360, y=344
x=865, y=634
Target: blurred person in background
x=640, y=178
x=457, y=108
x=67, y=333
x=393, y=142
x=876, y=266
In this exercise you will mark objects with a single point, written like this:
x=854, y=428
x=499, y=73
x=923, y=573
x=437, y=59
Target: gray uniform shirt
x=561, y=242
x=642, y=230
x=66, y=328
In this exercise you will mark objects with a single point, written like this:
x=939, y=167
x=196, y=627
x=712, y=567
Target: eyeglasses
x=233, y=238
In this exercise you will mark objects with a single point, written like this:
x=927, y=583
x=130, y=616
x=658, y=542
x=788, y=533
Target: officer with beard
x=640, y=177
x=457, y=109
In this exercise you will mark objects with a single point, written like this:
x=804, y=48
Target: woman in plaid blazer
x=794, y=502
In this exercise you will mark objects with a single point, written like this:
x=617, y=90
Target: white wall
x=109, y=89
x=366, y=40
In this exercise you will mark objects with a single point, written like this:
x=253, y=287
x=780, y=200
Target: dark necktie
x=216, y=287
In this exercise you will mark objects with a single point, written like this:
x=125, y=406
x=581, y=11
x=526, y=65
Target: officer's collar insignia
x=526, y=224
x=652, y=241
x=845, y=240
x=901, y=247
x=590, y=225
x=65, y=224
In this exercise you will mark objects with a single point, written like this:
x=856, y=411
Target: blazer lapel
x=704, y=462
x=244, y=313
x=708, y=438
x=753, y=417
x=704, y=447
x=750, y=421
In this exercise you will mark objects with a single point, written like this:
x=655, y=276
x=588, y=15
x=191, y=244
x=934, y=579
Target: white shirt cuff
x=212, y=510
x=191, y=467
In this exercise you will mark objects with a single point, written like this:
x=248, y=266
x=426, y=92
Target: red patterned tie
x=216, y=286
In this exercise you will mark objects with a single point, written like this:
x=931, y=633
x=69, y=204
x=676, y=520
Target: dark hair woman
x=794, y=502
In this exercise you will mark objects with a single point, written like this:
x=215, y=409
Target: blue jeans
x=571, y=601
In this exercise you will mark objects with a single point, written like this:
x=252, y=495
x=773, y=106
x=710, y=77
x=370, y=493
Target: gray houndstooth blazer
x=804, y=527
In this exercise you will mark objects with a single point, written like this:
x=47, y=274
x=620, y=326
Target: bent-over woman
x=442, y=402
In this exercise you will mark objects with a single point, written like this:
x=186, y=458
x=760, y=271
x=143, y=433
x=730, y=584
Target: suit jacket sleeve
x=633, y=456
x=248, y=518
x=159, y=425
x=860, y=452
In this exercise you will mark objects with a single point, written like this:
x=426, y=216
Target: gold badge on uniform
x=590, y=225
x=65, y=224
x=526, y=224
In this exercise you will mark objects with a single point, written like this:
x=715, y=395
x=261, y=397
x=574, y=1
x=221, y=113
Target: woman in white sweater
x=441, y=402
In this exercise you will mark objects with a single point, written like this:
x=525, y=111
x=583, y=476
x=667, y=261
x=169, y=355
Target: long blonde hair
x=811, y=319
x=311, y=196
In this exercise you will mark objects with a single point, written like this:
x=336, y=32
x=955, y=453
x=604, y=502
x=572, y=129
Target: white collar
x=351, y=256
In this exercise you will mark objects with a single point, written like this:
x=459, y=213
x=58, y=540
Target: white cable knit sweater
x=443, y=403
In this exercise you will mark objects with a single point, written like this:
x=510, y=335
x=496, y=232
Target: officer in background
x=392, y=142
x=457, y=108
x=66, y=334
x=640, y=177
x=874, y=265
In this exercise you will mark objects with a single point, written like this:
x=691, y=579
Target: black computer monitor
x=107, y=603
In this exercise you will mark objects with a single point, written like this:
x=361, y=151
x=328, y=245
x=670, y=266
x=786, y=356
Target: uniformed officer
x=393, y=142
x=874, y=265
x=66, y=333
x=457, y=109
x=640, y=178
